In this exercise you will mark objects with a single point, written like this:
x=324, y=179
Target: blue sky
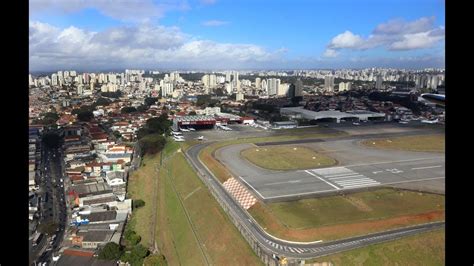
x=215, y=34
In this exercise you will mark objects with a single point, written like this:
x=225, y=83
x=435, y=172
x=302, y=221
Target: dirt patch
x=359, y=204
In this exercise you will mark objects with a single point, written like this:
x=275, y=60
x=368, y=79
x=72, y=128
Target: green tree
x=155, y=260
x=136, y=256
x=138, y=203
x=85, y=116
x=159, y=124
x=48, y=227
x=132, y=237
x=102, y=101
x=142, y=108
x=192, y=113
x=128, y=109
x=117, y=134
x=151, y=144
x=52, y=139
x=111, y=251
x=150, y=101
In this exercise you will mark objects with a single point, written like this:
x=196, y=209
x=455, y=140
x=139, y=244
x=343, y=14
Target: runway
x=358, y=167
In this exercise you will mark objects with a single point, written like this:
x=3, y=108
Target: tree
x=192, y=113
x=117, y=134
x=109, y=94
x=151, y=144
x=102, y=101
x=111, y=251
x=138, y=203
x=150, y=101
x=128, y=109
x=155, y=260
x=85, y=116
x=136, y=256
x=159, y=124
x=142, y=108
x=48, y=227
x=52, y=140
x=132, y=237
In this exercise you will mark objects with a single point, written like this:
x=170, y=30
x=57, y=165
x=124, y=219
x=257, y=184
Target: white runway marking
x=252, y=187
x=322, y=179
x=350, y=176
x=427, y=167
x=345, y=178
x=400, y=161
x=285, y=182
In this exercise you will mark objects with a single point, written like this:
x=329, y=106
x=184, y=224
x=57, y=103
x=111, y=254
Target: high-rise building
x=206, y=81
x=265, y=86
x=30, y=80
x=167, y=89
x=378, y=82
x=273, y=85
x=292, y=91
x=112, y=78
x=329, y=83
x=212, y=81
x=299, y=88
x=229, y=88
x=345, y=86
x=239, y=96
x=54, y=79
x=227, y=76
x=434, y=82
x=283, y=89
x=258, y=82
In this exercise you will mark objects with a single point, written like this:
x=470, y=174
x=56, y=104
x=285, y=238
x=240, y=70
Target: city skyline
x=204, y=35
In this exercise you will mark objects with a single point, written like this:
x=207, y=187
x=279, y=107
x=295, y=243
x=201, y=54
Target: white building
x=273, y=86
x=329, y=83
x=167, y=89
x=258, y=83
x=283, y=89
x=239, y=96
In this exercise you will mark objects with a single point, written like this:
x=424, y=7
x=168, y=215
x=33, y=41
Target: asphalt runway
x=358, y=167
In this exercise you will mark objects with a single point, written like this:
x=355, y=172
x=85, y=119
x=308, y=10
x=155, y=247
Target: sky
x=240, y=34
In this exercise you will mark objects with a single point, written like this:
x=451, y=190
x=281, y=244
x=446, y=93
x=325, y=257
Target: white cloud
x=214, y=23
x=330, y=53
x=143, y=45
x=346, y=39
x=127, y=10
x=416, y=41
x=395, y=35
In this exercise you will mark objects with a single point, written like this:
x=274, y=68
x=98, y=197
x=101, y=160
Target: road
x=53, y=203
x=279, y=247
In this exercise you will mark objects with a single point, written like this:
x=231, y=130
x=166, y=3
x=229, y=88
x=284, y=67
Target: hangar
x=300, y=112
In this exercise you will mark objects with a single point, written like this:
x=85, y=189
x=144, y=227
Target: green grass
x=424, y=143
x=221, y=172
x=377, y=204
x=336, y=217
x=286, y=158
x=221, y=242
x=422, y=249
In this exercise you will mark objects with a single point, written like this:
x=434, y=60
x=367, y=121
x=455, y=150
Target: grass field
x=286, y=158
x=425, y=143
x=223, y=174
x=208, y=235
x=360, y=213
x=422, y=249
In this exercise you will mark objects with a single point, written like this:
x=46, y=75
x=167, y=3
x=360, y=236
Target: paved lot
x=358, y=167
